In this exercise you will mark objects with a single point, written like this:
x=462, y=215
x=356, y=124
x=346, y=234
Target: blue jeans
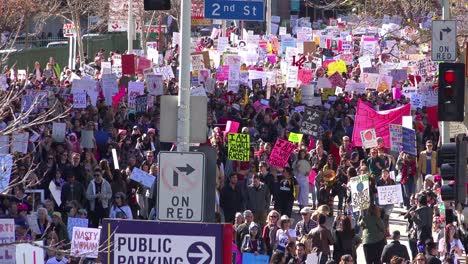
x=408, y=189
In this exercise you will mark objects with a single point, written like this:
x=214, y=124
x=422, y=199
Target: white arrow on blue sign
x=242, y=10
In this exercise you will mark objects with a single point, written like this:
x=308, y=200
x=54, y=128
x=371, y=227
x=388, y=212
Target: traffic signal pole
x=183, y=104
x=444, y=126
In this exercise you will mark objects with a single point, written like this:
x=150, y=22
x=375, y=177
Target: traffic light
x=157, y=4
x=452, y=160
x=451, y=92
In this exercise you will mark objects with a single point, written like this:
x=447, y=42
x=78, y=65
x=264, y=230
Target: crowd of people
x=259, y=199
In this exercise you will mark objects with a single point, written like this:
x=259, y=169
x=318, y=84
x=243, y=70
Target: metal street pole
x=268, y=18
x=445, y=133
x=130, y=26
x=223, y=28
x=183, y=104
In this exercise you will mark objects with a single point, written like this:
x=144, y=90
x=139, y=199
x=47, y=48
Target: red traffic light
x=449, y=76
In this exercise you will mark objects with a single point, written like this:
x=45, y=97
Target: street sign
x=136, y=241
x=180, y=186
x=243, y=10
x=444, y=40
x=69, y=30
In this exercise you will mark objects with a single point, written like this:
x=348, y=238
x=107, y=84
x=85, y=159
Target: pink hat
x=122, y=132
x=151, y=130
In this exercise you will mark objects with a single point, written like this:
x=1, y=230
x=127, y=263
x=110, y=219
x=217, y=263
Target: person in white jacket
x=302, y=169
x=99, y=193
x=120, y=209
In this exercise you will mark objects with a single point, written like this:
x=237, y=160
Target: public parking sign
x=132, y=241
x=444, y=40
x=180, y=186
x=242, y=10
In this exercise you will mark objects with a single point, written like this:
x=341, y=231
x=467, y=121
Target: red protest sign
x=280, y=154
x=128, y=64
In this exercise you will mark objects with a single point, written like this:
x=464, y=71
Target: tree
x=15, y=15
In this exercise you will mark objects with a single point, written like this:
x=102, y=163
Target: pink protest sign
x=232, y=126
x=143, y=64
x=223, y=73
x=396, y=93
x=305, y=76
x=367, y=118
x=280, y=153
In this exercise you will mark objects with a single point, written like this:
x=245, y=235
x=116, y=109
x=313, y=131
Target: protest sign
x=58, y=131
x=72, y=222
x=295, y=137
x=305, y=76
x=20, y=142
x=141, y=103
x=456, y=128
x=115, y=160
x=371, y=80
x=142, y=177
x=308, y=96
x=106, y=67
x=79, y=100
x=30, y=253
x=360, y=197
x=416, y=101
x=232, y=126
x=239, y=146
x=85, y=242
x=89, y=70
x=409, y=141
x=358, y=88
x=56, y=192
x=198, y=62
x=3, y=82
x=6, y=164
x=367, y=118
x=327, y=92
x=155, y=84
x=385, y=83
x=255, y=258
x=165, y=71
x=390, y=194
x=143, y=64
x=7, y=235
x=134, y=89
x=32, y=223
x=128, y=64
x=87, y=138
x=291, y=75
x=396, y=138
x=198, y=91
x=368, y=138
x=311, y=121
x=430, y=97
x=280, y=153
x=337, y=80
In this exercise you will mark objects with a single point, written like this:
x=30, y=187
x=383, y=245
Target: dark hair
x=277, y=257
x=322, y=219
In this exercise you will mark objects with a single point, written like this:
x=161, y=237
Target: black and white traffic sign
x=444, y=40
x=180, y=186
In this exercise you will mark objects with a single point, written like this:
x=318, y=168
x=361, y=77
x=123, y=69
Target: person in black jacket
x=394, y=249
x=72, y=190
x=231, y=199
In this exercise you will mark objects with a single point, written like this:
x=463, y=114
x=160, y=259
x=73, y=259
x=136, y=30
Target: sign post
x=228, y=9
x=444, y=40
x=181, y=186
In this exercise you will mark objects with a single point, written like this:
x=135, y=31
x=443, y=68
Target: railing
x=30, y=42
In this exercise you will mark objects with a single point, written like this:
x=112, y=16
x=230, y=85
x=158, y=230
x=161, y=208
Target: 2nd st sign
x=242, y=10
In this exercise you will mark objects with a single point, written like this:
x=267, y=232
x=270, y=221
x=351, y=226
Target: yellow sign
x=239, y=146
x=295, y=137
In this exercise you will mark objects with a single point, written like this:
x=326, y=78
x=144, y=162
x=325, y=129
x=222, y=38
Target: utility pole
x=183, y=103
x=268, y=18
x=130, y=27
x=445, y=128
